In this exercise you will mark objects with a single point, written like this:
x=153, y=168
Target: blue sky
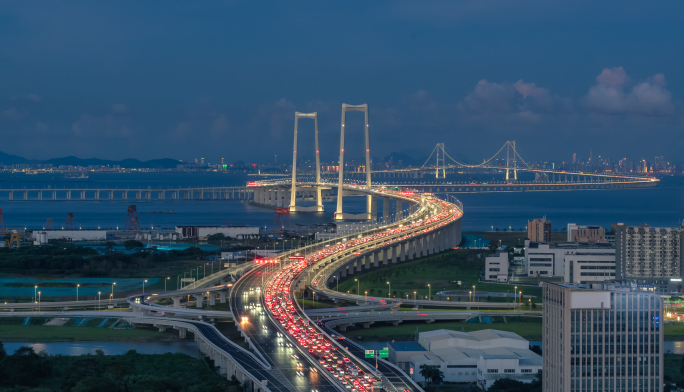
x=222, y=79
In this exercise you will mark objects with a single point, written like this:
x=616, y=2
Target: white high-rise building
x=649, y=257
x=602, y=340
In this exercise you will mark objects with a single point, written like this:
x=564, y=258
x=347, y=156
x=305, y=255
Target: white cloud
x=120, y=108
x=613, y=94
x=32, y=98
x=14, y=114
x=523, y=101
x=219, y=126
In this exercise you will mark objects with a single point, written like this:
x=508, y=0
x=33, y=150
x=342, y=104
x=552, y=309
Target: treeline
x=28, y=371
x=73, y=259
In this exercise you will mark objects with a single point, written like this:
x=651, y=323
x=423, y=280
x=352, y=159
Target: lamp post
x=35, y=292
x=77, y=292
x=357, y=286
x=39, y=301
x=337, y=285
x=470, y=295
x=415, y=303
x=520, y=300
x=144, y=281
x=167, y=278
x=112, y=290
x=530, y=304
x=389, y=293
x=515, y=299
x=365, y=301
x=429, y=292
x=98, y=299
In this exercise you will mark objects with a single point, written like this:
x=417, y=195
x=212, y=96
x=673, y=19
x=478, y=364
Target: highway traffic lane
x=266, y=342
x=398, y=378
x=355, y=358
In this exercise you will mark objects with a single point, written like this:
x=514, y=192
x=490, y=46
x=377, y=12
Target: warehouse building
x=481, y=356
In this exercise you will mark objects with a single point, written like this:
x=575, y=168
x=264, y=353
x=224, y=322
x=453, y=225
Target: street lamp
x=429, y=292
x=35, y=292
x=98, y=300
x=515, y=299
x=470, y=295
x=39, y=302
x=365, y=301
x=113, y=289
x=357, y=286
x=389, y=294
x=337, y=286
x=165, y=283
x=144, y=281
x=77, y=292
x=415, y=303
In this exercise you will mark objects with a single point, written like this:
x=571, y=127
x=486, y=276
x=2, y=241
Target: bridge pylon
x=510, y=144
x=440, y=147
x=293, y=193
x=339, y=213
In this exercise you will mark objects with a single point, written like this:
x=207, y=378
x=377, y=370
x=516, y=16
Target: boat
x=80, y=175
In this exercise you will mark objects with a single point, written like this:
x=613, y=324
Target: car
x=295, y=356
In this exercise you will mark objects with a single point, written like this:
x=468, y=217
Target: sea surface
x=660, y=207
x=109, y=348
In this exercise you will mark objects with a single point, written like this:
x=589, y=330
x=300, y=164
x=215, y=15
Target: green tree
x=132, y=244
x=536, y=349
x=437, y=375
x=426, y=371
x=218, y=237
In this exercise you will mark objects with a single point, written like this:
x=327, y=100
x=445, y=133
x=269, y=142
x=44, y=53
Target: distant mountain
x=165, y=163
x=7, y=159
x=406, y=160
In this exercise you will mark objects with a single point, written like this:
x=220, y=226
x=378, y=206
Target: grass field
x=404, y=331
x=441, y=271
x=42, y=333
x=673, y=367
x=513, y=238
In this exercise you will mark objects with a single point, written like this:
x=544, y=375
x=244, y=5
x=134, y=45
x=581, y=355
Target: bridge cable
x=481, y=164
x=428, y=160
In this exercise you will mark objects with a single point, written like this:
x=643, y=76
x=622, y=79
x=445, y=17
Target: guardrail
x=192, y=327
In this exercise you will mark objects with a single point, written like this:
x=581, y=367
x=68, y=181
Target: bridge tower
x=440, y=147
x=509, y=145
x=293, y=192
x=339, y=213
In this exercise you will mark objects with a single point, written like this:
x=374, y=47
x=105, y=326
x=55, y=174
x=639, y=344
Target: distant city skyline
x=123, y=80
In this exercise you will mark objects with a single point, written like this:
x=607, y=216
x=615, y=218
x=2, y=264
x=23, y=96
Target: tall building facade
x=539, y=230
x=586, y=233
x=649, y=257
x=602, y=340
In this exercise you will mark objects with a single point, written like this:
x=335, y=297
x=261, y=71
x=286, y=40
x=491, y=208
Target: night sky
x=180, y=79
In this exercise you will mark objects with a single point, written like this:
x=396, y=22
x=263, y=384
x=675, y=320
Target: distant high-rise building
x=649, y=256
x=202, y=162
x=539, y=230
x=574, y=158
x=608, y=339
x=589, y=233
